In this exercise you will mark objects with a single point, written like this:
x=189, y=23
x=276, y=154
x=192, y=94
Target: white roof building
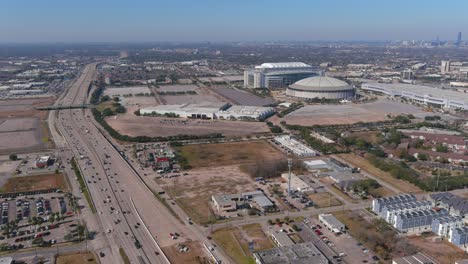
x=295, y=146
x=296, y=183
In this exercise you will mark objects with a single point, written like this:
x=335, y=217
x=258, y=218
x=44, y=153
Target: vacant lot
x=193, y=192
x=77, y=259
x=121, y=91
x=366, y=166
x=235, y=241
x=204, y=155
x=193, y=256
x=441, y=251
x=129, y=124
x=34, y=183
x=349, y=113
x=177, y=88
x=324, y=199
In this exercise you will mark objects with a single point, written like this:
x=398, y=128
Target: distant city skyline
x=241, y=20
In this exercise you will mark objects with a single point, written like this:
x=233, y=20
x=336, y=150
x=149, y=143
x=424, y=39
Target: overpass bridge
x=61, y=107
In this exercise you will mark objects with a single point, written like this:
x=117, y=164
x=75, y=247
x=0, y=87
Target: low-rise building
x=232, y=202
x=224, y=203
x=454, y=204
x=42, y=162
x=296, y=183
x=380, y=203
x=389, y=212
x=330, y=222
x=304, y=253
x=459, y=236
x=245, y=112
x=417, y=221
x=295, y=146
x=443, y=225
x=281, y=239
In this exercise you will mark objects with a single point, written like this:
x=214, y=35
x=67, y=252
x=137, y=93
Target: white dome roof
x=320, y=83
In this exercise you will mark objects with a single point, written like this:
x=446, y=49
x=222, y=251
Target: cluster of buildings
x=295, y=146
x=159, y=157
x=211, y=110
x=443, y=214
x=303, y=253
x=225, y=203
x=420, y=94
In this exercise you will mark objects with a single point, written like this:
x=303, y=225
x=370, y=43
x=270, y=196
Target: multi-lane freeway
x=128, y=214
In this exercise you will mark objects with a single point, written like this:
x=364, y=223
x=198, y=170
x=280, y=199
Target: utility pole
x=289, y=178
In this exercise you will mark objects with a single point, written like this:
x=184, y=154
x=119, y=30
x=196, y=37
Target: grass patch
x=124, y=256
x=205, y=155
x=235, y=241
x=83, y=186
x=78, y=258
x=324, y=199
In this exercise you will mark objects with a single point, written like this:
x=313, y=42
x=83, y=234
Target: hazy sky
x=229, y=20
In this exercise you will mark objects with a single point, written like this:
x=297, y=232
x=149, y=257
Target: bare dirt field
x=193, y=192
x=349, y=113
x=193, y=256
x=22, y=127
x=205, y=155
x=34, y=183
x=129, y=124
x=366, y=166
x=235, y=241
x=442, y=252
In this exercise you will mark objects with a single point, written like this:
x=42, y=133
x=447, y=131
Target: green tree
x=13, y=157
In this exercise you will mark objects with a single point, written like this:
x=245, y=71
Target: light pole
x=289, y=178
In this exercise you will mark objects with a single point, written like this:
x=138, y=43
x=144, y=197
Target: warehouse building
x=245, y=112
x=459, y=236
x=304, y=253
x=389, y=212
x=380, y=203
x=321, y=87
x=224, y=202
x=277, y=75
x=443, y=225
x=417, y=221
x=421, y=94
x=330, y=222
x=206, y=110
x=295, y=146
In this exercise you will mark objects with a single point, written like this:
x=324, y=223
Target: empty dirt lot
x=129, y=124
x=205, y=155
x=442, y=252
x=34, y=183
x=193, y=191
x=349, y=113
x=193, y=256
x=78, y=258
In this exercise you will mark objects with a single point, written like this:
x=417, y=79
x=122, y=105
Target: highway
x=128, y=213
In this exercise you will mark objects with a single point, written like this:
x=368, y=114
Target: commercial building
x=245, y=112
x=206, y=110
x=380, y=203
x=281, y=239
x=459, y=236
x=295, y=146
x=42, y=162
x=407, y=75
x=445, y=67
x=443, y=225
x=304, y=253
x=418, y=258
x=321, y=87
x=277, y=75
x=330, y=222
x=417, y=221
x=232, y=202
x=296, y=183
x=421, y=94
x=224, y=203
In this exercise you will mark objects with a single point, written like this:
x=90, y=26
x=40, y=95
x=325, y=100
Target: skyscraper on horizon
x=459, y=39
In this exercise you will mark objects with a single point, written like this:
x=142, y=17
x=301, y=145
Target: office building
x=277, y=75
x=407, y=75
x=281, y=239
x=330, y=222
x=445, y=67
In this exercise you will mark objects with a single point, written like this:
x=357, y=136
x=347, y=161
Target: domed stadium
x=321, y=87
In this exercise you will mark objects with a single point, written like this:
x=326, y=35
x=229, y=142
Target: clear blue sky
x=229, y=20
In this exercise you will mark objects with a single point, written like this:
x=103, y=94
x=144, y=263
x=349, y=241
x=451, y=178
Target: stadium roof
x=283, y=65
x=320, y=83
